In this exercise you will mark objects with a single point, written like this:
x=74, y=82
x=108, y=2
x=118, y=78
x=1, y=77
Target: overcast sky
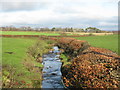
x=102, y=14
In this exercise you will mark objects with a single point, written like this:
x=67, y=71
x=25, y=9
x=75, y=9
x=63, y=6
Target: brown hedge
x=72, y=46
x=93, y=70
x=92, y=67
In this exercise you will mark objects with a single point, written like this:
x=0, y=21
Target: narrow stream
x=51, y=71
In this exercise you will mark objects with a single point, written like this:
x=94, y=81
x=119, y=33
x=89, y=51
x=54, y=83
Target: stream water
x=51, y=71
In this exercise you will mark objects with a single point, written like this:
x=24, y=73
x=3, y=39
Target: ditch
x=52, y=76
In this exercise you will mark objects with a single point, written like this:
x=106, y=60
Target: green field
x=17, y=64
x=108, y=41
x=13, y=62
x=27, y=33
x=16, y=45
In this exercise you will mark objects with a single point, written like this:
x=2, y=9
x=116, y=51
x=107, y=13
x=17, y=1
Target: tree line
x=86, y=30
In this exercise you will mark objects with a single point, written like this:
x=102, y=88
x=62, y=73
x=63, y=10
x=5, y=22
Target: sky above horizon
x=102, y=14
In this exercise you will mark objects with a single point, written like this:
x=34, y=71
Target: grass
x=27, y=33
x=12, y=63
x=64, y=59
x=17, y=64
x=16, y=45
x=34, y=33
x=107, y=41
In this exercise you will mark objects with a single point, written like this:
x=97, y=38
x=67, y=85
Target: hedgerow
x=72, y=46
x=91, y=67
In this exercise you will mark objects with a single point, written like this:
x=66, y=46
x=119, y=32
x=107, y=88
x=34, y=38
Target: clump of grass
x=63, y=34
x=50, y=41
x=90, y=34
x=65, y=59
x=38, y=49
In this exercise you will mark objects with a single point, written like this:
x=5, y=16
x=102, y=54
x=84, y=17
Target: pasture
x=107, y=41
x=28, y=33
x=53, y=33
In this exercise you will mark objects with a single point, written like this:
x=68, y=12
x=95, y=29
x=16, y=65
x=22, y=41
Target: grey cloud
x=76, y=22
x=79, y=23
x=18, y=6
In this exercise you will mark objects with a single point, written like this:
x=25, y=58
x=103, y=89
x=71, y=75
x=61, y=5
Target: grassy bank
x=21, y=62
x=107, y=41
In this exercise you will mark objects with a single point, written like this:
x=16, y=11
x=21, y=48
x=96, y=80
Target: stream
x=51, y=72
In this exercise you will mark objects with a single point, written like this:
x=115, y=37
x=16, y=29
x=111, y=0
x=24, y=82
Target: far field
x=27, y=33
x=107, y=41
x=48, y=33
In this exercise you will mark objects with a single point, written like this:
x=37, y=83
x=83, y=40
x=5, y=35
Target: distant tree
x=92, y=29
x=71, y=29
x=53, y=29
